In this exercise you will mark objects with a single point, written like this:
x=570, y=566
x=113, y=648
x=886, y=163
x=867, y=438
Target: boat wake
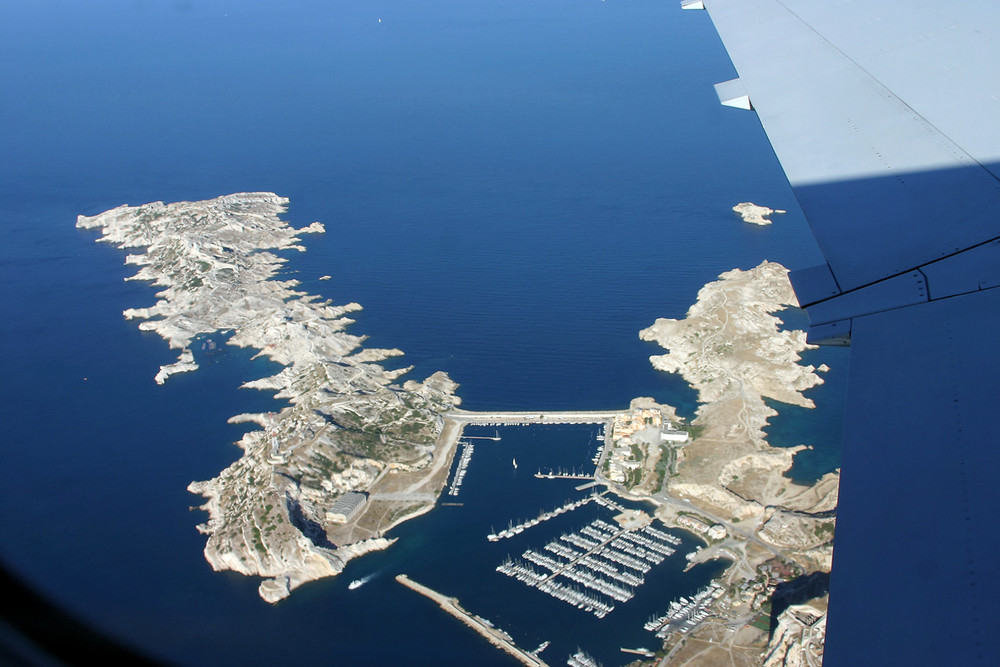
x=358, y=583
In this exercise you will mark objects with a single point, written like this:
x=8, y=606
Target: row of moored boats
x=517, y=529
x=605, y=564
x=463, y=464
x=684, y=614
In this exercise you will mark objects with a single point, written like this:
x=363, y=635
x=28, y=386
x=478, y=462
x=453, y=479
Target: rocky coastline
x=348, y=423
x=755, y=215
x=732, y=350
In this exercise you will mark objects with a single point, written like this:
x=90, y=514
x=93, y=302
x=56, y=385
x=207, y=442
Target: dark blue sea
x=511, y=189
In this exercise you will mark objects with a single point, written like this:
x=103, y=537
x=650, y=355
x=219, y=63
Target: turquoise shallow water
x=512, y=190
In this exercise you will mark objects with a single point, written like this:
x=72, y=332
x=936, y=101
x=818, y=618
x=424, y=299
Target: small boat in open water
x=358, y=583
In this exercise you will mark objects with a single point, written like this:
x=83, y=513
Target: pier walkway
x=602, y=544
x=513, y=530
x=495, y=636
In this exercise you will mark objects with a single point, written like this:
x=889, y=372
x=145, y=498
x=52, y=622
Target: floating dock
x=608, y=561
x=463, y=464
x=519, y=528
x=495, y=438
x=562, y=474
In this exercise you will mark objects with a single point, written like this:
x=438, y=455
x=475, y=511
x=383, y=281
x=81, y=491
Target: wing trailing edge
x=884, y=119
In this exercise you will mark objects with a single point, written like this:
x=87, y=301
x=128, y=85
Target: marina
x=684, y=614
x=605, y=563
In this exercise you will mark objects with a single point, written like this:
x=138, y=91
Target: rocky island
x=755, y=215
x=733, y=353
x=304, y=497
x=727, y=482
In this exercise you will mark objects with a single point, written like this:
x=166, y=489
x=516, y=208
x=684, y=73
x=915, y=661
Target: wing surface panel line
x=903, y=273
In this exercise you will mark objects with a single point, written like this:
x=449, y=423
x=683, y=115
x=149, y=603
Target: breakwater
x=525, y=417
x=494, y=635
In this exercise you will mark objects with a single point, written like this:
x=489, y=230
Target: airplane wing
x=885, y=116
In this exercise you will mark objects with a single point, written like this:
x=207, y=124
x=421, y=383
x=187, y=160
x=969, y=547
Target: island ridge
x=349, y=426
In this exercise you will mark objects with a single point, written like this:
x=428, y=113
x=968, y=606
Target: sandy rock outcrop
x=755, y=215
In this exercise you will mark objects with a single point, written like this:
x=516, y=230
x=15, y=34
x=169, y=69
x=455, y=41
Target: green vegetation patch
x=695, y=431
x=258, y=543
x=660, y=471
x=825, y=530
